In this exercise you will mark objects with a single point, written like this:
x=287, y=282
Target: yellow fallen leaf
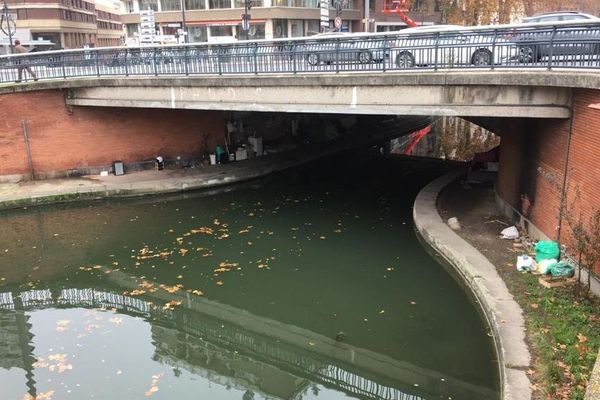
x=151, y=391
x=219, y=283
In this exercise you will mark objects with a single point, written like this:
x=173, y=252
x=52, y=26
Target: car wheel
x=312, y=59
x=482, y=57
x=528, y=54
x=405, y=60
x=365, y=57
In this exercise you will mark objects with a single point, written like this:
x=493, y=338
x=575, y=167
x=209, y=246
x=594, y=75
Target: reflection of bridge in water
x=234, y=348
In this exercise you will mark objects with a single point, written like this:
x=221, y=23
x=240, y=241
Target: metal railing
x=565, y=45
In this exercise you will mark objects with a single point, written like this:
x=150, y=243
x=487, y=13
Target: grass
x=564, y=335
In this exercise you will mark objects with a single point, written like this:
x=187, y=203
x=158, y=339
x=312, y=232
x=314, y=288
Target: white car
x=449, y=45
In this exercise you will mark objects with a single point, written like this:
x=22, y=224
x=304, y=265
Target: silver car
x=448, y=45
x=351, y=49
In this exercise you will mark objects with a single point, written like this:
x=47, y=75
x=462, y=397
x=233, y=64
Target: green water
x=310, y=284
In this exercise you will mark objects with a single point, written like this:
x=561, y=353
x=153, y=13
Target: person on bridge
x=19, y=49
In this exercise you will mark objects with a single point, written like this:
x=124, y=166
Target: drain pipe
x=564, y=183
x=27, y=149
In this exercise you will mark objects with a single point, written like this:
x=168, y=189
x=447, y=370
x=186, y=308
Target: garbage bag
x=562, y=269
x=546, y=249
x=525, y=264
x=510, y=233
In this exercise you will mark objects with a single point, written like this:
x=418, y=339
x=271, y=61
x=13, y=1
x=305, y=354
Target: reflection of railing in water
x=300, y=352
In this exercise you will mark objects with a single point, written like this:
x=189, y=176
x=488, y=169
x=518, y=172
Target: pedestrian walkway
x=174, y=179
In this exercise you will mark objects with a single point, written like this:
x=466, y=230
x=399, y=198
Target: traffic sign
x=337, y=22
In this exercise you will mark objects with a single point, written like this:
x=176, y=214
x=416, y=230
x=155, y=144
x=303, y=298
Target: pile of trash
x=547, y=257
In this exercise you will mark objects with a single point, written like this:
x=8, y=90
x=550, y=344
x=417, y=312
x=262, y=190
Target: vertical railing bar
x=551, y=52
x=337, y=55
x=435, y=49
x=97, y=63
x=185, y=60
x=494, y=49
x=255, y=58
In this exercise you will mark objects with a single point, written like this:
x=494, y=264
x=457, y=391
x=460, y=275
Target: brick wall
x=63, y=138
x=532, y=161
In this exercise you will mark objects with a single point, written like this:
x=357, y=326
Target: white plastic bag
x=510, y=233
x=525, y=264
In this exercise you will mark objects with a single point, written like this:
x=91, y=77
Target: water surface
x=310, y=284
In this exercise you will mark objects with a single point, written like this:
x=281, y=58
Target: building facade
x=69, y=24
x=213, y=20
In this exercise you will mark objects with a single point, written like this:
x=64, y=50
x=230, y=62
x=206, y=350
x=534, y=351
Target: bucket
x=213, y=159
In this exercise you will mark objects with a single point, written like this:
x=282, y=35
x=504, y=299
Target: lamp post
x=183, y=27
x=7, y=21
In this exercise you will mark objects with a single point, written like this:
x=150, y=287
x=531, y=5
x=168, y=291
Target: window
x=280, y=28
x=197, y=34
x=132, y=30
x=195, y=4
x=219, y=4
x=221, y=31
x=297, y=27
x=256, y=31
x=170, y=5
x=149, y=5
x=129, y=6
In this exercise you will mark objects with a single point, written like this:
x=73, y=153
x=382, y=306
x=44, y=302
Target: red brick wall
x=532, y=161
x=63, y=138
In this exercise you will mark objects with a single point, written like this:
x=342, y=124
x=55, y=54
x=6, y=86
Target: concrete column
x=269, y=29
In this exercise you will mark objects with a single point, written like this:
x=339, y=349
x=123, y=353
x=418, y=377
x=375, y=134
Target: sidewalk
x=137, y=183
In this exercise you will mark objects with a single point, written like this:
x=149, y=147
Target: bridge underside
x=339, y=95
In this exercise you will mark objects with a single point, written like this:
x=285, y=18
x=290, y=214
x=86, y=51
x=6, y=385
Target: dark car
x=564, y=40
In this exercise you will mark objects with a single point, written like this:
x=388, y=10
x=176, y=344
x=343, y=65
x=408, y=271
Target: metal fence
x=565, y=45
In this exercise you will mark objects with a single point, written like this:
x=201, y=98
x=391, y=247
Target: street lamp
x=8, y=25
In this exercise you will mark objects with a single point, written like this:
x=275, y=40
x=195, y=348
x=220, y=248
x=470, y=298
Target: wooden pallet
x=552, y=282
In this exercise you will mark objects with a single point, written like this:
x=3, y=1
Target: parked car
x=448, y=45
x=566, y=39
x=326, y=49
x=561, y=16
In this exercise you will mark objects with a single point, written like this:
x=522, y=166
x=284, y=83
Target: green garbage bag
x=545, y=249
x=562, y=269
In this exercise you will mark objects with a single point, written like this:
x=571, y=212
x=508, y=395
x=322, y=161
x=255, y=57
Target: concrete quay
x=504, y=315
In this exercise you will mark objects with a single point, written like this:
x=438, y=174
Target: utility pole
x=367, y=14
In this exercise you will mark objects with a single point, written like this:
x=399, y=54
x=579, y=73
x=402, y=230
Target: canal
x=310, y=284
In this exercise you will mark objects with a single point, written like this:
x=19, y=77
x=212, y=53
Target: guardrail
x=430, y=48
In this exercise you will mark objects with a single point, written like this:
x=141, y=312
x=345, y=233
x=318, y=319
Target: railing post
x=386, y=48
x=255, y=58
x=494, y=48
x=219, y=50
x=154, y=61
x=435, y=49
x=337, y=55
x=64, y=68
x=97, y=63
x=551, y=50
x=186, y=60
x=126, y=64
x=293, y=51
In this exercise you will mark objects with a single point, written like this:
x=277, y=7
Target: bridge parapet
x=438, y=48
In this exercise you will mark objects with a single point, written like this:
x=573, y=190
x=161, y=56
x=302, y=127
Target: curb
x=593, y=388
x=502, y=312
